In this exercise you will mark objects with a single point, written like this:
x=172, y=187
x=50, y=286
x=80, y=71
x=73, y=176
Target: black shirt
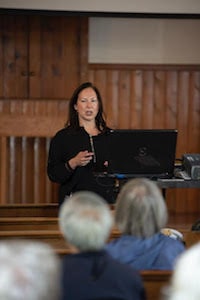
x=66, y=144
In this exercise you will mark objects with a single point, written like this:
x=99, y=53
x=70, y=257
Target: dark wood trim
x=145, y=67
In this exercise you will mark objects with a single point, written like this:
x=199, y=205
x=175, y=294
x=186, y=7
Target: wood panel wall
x=26, y=127
x=155, y=96
x=133, y=97
x=42, y=56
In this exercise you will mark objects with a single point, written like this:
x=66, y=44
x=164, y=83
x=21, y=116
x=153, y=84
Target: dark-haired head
x=73, y=120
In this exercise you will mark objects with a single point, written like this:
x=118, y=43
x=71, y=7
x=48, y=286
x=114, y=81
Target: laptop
x=142, y=153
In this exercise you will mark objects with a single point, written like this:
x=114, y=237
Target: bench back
x=154, y=282
x=26, y=129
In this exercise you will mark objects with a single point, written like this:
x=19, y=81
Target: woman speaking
x=79, y=151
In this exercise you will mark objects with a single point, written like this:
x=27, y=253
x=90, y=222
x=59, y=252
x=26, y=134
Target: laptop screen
x=139, y=152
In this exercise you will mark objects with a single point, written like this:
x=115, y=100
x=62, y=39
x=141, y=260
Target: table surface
x=162, y=182
x=177, y=183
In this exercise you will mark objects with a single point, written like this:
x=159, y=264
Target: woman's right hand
x=81, y=159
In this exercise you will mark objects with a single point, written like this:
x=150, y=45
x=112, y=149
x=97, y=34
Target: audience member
x=185, y=282
x=89, y=272
x=140, y=214
x=28, y=271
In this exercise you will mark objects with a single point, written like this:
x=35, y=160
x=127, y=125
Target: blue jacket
x=157, y=252
x=96, y=275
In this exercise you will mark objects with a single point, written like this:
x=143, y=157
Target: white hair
x=85, y=220
x=29, y=270
x=185, y=283
x=140, y=208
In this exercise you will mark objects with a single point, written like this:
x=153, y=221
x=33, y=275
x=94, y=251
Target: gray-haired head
x=140, y=208
x=85, y=220
x=29, y=270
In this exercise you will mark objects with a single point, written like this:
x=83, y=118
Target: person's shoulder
x=106, y=131
x=59, y=134
x=65, y=131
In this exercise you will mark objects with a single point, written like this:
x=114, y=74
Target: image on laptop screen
x=142, y=152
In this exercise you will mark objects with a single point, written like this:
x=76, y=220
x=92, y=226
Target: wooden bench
x=29, y=210
x=154, y=282
x=28, y=223
x=52, y=237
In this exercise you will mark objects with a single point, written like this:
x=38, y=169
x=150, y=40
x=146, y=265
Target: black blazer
x=66, y=144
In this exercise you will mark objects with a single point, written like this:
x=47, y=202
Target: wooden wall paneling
x=137, y=100
x=14, y=185
x=71, y=67
x=24, y=177
x=8, y=44
x=57, y=68
x=194, y=112
x=47, y=183
x=1, y=58
x=41, y=38
x=21, y=57
x=183, y=109
x=37, y=175
x=159, y=100
x=3, y=169
x=26, y=170
x=132, y=100
x=42, y=56
x=39, y=170
x=174, y=93
x=171, y=99
x=149, y=109
x=112, y=98
x=83, y=46
x=14, y=44
x=27, y=126
x=35, y=56
x=50, y=49
x=124, y=99
x=91, y=74
x=101, y=78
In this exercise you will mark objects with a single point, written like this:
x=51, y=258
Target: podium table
x=177, y=183
x=164, y=183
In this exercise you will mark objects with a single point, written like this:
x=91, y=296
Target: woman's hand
x=81, y=159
